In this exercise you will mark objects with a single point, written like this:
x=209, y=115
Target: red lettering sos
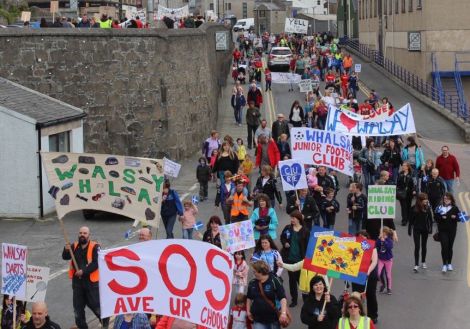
x=170, y=250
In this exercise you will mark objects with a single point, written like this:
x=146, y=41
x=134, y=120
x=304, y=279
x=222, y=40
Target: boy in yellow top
x=241, y=153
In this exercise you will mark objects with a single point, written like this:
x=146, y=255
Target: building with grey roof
x=30, y=123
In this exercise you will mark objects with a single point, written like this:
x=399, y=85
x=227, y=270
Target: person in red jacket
x=449, y=168
x=268, y=153
x=236, y=55
x=344, y=84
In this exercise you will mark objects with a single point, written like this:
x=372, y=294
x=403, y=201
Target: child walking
x=328, y=208
x=384, y=247
x=203, y=175
x=188, y=219
x=238, y=317
x=240, y=272
x=241, y=153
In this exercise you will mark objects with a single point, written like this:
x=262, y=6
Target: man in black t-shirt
x=262, y=305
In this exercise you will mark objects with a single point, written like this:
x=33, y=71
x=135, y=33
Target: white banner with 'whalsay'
x=400, y=122
x=322, y=148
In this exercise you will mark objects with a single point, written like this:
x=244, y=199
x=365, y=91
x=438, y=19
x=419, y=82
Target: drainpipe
x=41, y=203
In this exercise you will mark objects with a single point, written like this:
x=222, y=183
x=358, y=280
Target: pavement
x=415, y=296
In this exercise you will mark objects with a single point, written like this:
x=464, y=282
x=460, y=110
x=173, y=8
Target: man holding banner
x=84, y=274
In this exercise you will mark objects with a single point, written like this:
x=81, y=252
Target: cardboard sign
x=186, y=279
x=25, y=16
x=381, y=201
x=292, y=175
x=295, y=25
x=14, y=267
x=322, y=148
x=237, y=236
x=400, y=122
x=305, y=85
x=357, y=68
x=338, y=255
x=171, y=168
x=123, y=185
x=36, y=284
x=172, y=12
x=284, y=78
x=54, y=6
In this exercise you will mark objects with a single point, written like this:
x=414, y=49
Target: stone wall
x=145, y=91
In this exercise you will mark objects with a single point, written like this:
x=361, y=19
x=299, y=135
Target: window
x=376, y=4
x=410, y=5
x=419, y=5
x=245, y=10
x=228, y=6
x=390, y=7
x=60, y=142
x=319, y=2
x=396, y=6
x=211, y=6
x=262, y=13
x=403, y=5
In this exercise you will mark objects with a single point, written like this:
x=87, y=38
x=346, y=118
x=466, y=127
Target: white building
x=31, y=122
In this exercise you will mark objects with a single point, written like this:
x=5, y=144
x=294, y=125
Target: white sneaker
x=424, y=265
x=415, y=269
x=444, y=268
x=449, y=267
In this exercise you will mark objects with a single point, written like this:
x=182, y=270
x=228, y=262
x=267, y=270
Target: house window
x=262, y=13
x=376, y=5
x=245, y=10
x=419, y=5
x=396, y=6
x=319, y=2
x=403, y=5
x=211, y=6
x=60, y=142
x=410, y=5
x=390, y=7
x=228, y=6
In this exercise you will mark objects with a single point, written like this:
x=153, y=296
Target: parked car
x=279, y=57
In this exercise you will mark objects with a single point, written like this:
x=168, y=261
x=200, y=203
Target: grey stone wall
x=145, y=91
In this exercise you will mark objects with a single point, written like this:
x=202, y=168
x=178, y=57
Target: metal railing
x=458, y=83
x=451, y=101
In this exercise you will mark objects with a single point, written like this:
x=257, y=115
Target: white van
x=244, y=25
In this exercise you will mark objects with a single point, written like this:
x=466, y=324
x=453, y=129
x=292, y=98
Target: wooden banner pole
x=329, y=289
x=67, y=242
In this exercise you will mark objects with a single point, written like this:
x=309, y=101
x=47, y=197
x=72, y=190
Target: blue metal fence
x=452, y=102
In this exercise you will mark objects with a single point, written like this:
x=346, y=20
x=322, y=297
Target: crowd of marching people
x=244, y=172
x=108, y=22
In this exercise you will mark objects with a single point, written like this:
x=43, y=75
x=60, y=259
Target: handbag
x=402, y=193
x=436, y=237
x=284, y=324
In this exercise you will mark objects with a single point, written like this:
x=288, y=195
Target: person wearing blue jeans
x=171, y=207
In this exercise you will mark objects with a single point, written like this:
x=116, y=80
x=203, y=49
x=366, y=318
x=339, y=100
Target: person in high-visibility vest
x=85, y=280
x=105, y=23
x=240, y=203
x=354, y=315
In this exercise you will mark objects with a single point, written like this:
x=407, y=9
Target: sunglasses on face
x=353, y=306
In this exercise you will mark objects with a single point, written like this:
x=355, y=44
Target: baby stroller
x=242, y=74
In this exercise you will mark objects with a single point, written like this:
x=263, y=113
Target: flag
x=198, y=225
x=463, y=217
x=441, y=210
x=255, y=258
x=195, y=199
